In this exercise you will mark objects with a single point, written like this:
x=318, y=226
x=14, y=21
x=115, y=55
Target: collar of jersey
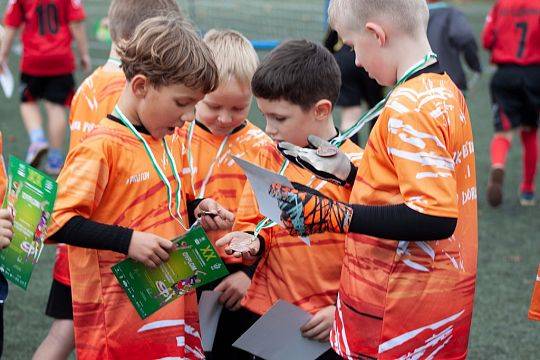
x=139, y=128
x=434, y=68
x=235, y=130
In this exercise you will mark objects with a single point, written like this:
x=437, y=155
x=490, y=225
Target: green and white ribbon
x=175, y=215
x=202, y=192
x=370, y=115
x=115, y=61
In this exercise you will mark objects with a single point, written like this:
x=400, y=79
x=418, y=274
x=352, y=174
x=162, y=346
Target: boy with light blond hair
x=221, y=129
x=120, y=194
x=409, y=272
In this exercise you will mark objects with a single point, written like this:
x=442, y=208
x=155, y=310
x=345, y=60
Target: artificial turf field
x=509, y=237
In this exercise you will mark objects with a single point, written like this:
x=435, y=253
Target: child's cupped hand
x=240, y=244
x=214, y=216
x=149, y=249
x=6, y=228
x=319, y=326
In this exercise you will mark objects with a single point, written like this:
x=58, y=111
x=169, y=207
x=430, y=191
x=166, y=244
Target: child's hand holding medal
x=240, y=244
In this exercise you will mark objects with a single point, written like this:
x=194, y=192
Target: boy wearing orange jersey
x=94, y=99
x=221, y=129
x=6, y=234
x=120, y=194
x=412, y=217
x=295, y=87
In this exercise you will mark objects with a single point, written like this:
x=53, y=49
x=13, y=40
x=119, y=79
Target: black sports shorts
x=56, y=89
x=515, y=95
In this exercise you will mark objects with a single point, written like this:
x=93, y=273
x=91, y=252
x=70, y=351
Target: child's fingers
x=4, y=242
x=6, y=233
x=226, y=215
x=222, y=224
x=6, y=224
x=233, y=299
x=237, y=305
x=169, y=246
x=227, y=294
x=222, y=286
x=312, y=323
x=162, y=254
x=315, y=331
x=225, y=240
x=6, y=214
x=208, y=223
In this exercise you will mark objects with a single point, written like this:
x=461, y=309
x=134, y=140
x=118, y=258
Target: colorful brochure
x=30, y=196
x=195, y=263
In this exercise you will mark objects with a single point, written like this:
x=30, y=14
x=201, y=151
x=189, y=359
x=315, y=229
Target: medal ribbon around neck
x=115, y=61
x=192, y=167
x=370, y=115
x=177, y=216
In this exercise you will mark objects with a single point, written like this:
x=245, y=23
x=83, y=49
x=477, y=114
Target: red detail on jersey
x=512, y=32
x=46, y=36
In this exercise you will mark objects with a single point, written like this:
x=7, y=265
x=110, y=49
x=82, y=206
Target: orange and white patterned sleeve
x=423, y=163
x=81, y=183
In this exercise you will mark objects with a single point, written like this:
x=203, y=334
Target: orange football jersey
x=401, y=299
x=94, y=99
x=109, y=178
x=306, y=276
x=534, y=311
x=221, y=178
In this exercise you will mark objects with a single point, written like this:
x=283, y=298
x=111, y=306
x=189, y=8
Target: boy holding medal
x=409, y=273
x=94, y=99
x=296, y=87
x=120, y=194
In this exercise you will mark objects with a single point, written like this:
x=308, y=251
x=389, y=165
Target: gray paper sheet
x=209, y=313
x=276, y=335
x=260, y=180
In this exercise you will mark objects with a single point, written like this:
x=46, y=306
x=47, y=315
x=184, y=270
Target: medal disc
x=327, y=151
x=241, y=246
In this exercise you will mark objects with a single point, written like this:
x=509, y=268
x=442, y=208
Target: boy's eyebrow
x=185, y=98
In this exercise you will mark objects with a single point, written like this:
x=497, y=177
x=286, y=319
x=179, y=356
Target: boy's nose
x=224, y=118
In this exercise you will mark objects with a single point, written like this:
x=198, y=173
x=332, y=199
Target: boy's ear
x=323, y=109
x=139, y=85
x=377, y=32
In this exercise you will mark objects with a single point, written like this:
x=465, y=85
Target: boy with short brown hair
x=95, y=98
x=120, y=194
x=296, y=87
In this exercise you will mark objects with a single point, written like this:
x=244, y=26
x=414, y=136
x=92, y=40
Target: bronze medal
x=241, y=246
x=327, y=151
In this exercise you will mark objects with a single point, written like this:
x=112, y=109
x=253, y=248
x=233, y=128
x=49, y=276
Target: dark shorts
x=56, y=89
x=59, y=305
x=356, y=85
x=515, y=95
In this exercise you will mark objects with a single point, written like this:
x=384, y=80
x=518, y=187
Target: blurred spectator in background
x=451, y=36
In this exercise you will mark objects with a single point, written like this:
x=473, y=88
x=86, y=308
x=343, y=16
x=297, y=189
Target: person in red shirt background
x=47, y=67
x=512, y=34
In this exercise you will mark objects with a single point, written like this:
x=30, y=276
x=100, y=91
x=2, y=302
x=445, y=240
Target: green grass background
x=509, y=244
